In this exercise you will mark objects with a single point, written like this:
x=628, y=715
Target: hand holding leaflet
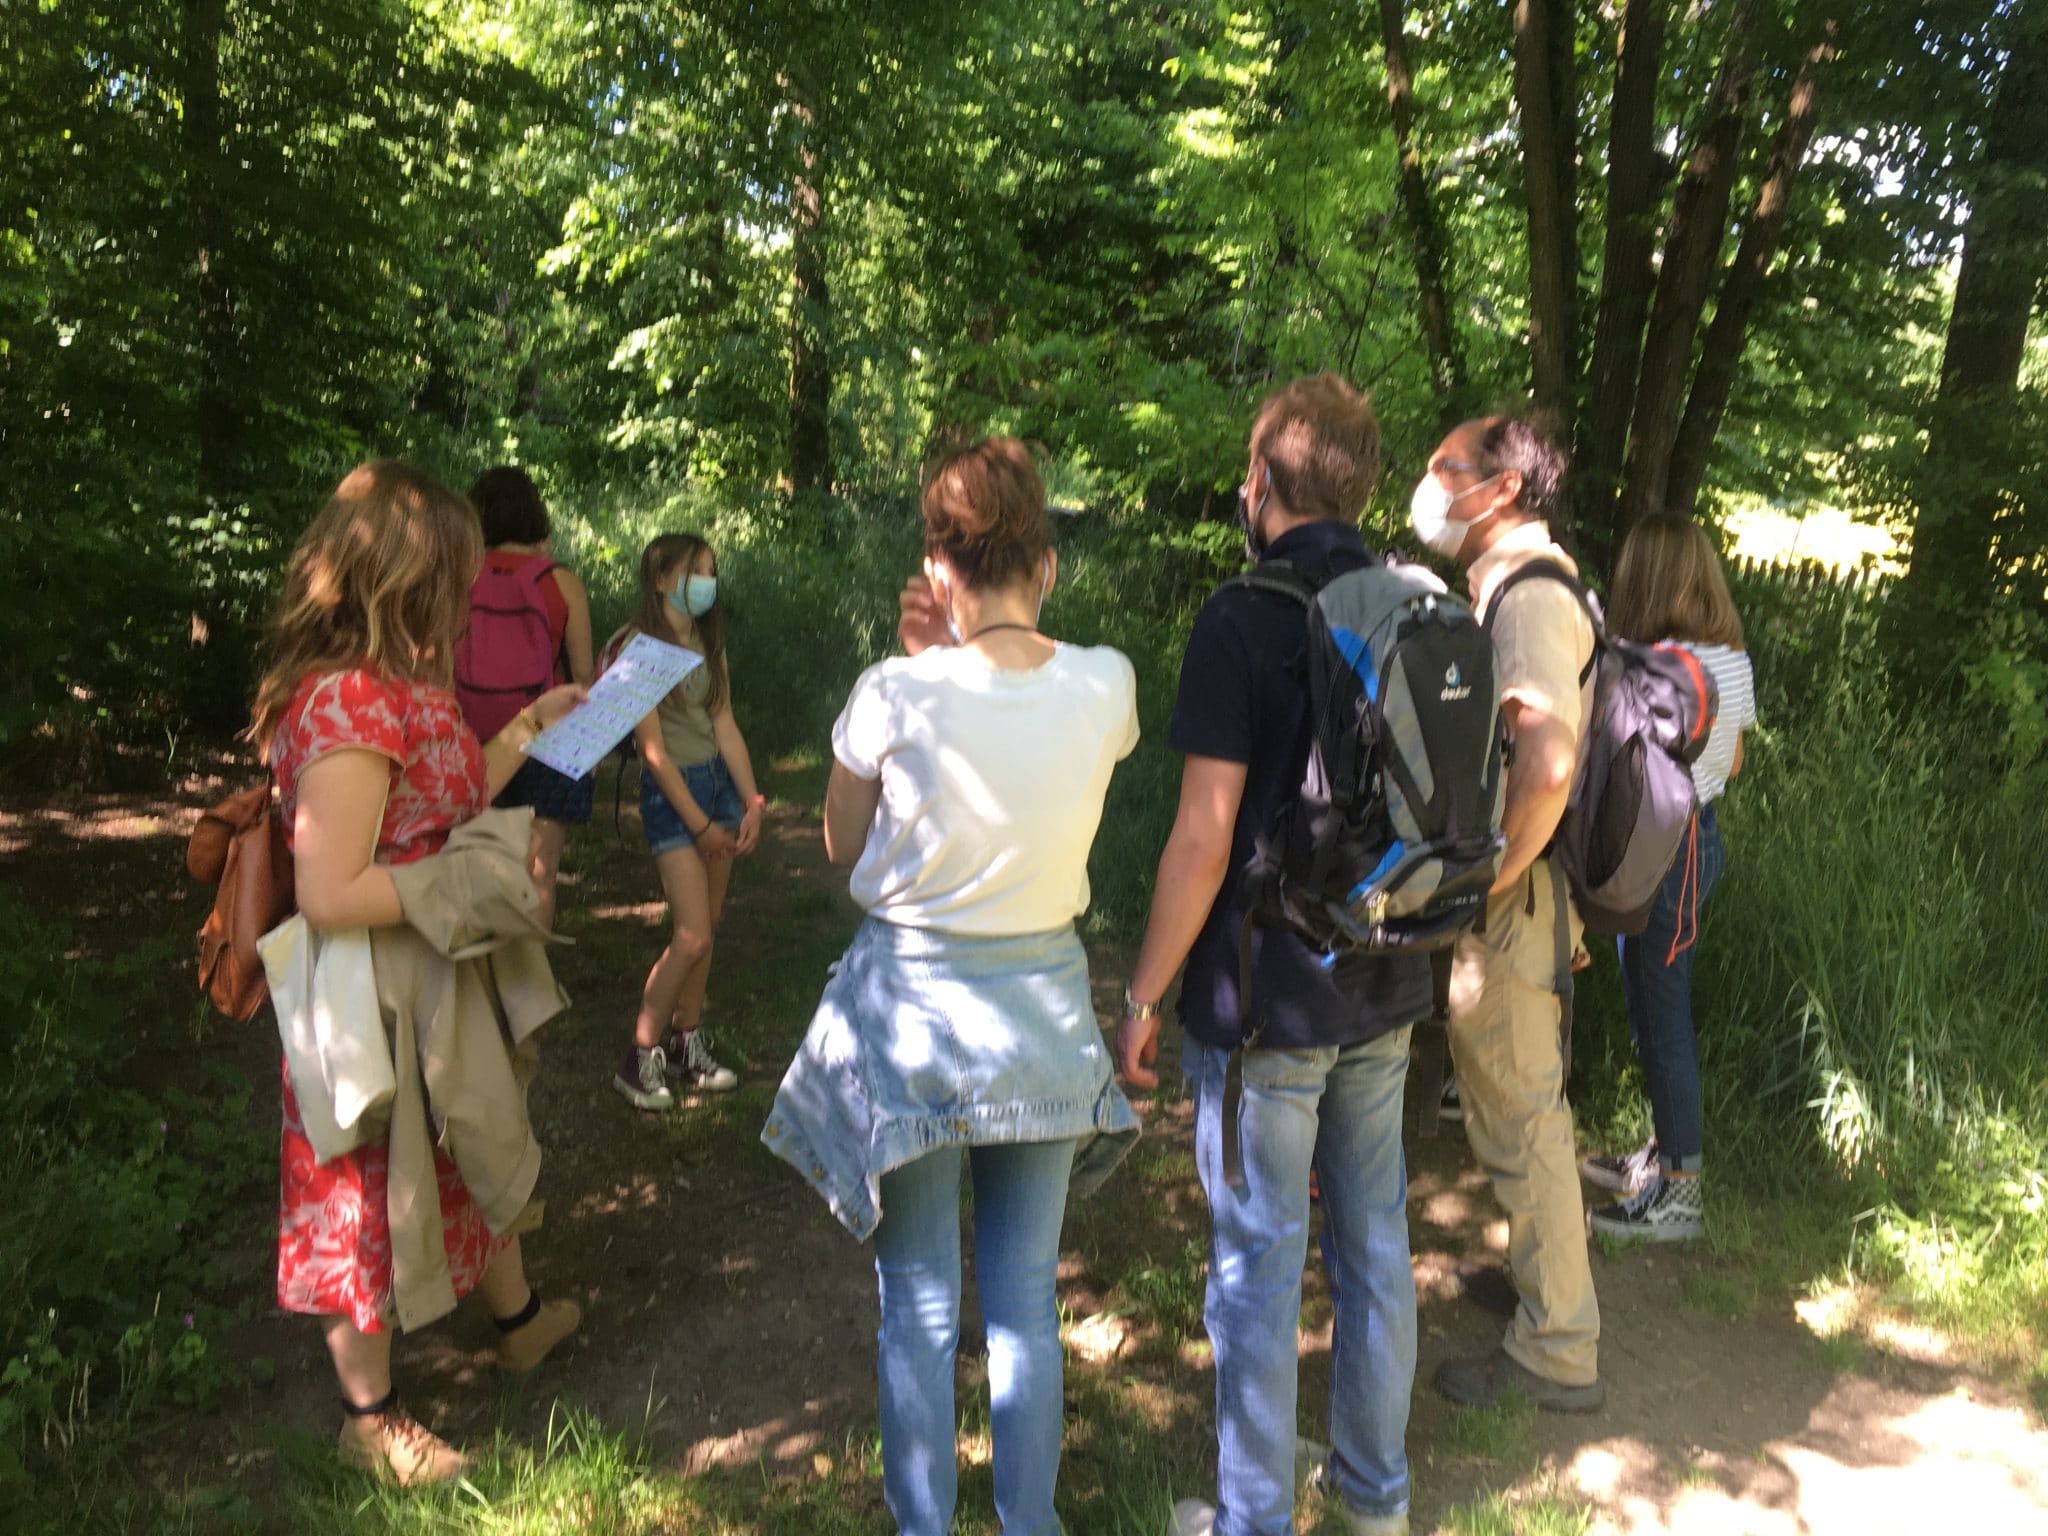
x=631, y=686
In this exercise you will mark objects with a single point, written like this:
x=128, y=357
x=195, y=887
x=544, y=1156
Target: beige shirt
x=1542, y=635
x=685, y=722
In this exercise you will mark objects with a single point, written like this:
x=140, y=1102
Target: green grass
x=1730, y=1297
x=1168, y=1294
x=1503, y=1433
x=1504, y=1514
x=1840, y=1352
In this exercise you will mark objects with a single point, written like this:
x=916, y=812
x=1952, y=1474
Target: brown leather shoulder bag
x=239, y=847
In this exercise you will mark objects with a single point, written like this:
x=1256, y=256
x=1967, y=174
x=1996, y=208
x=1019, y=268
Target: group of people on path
x=956, y=1041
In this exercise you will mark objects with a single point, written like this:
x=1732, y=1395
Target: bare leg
x=689, y=1010
x=546, y=865
x=362, y=1361
x=686, y=882
x=503, y=1283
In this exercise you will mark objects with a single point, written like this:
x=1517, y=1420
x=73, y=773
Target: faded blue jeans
x=1340, y=1112
x=1656, y=981
x=1020, y=1196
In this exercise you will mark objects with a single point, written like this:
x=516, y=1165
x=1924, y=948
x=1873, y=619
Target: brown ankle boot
x=399, y=1449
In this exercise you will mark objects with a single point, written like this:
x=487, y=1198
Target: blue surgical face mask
x=695, y=595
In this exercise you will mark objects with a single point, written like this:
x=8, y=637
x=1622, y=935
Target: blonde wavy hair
x=380, y=579
x=1668, y=585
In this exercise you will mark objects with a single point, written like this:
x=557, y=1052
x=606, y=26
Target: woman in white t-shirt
x=1668, y=587
x=966, y=788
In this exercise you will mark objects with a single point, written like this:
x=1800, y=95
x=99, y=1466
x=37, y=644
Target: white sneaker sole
x=640, y=1098
x=724, y=1084
x=1649, y=1232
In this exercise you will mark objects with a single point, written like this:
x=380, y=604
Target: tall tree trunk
x=1715, y=376
x=1628, y=275
x=1439, y=336
x=1699, y=222
x=810, y=367
x=1544, y=96
x=218, y=426
x=1954, y=571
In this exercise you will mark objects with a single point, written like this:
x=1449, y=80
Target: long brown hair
x=657, y=562
x=379, y=579
x=1668, y=585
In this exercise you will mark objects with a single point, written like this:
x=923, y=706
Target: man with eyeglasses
x=1484, y=501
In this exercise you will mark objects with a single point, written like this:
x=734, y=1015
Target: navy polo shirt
x=1243, y=698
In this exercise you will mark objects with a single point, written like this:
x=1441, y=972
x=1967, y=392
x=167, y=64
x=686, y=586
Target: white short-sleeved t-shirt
x=992, y=784
x=1736, y=690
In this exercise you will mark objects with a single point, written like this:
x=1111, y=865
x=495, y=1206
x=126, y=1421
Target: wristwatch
x=1144, y=1013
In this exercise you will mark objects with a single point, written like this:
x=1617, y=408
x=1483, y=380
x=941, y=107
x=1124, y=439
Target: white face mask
x=1429, y=514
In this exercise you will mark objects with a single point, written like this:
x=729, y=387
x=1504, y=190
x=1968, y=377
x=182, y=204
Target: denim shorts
x=710, y=785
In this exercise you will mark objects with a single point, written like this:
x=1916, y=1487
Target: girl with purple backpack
x=529, y=631
x=1668, y=586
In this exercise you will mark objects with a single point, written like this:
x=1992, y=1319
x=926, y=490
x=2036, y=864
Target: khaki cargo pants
x=1510, y=1069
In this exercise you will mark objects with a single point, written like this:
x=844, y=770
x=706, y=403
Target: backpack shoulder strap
x=1550, y=570
x=1282, y=578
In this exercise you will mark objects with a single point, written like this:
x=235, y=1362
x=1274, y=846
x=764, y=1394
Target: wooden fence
x=1808, y=577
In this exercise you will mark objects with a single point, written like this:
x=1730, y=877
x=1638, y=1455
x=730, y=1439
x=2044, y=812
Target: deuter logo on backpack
x=1394, y=839
x=506, y=657
x=1632, y=798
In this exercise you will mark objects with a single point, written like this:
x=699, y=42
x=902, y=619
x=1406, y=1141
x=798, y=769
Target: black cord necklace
x=988, y=629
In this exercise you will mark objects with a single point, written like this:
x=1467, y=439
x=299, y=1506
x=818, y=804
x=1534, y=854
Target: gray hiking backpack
x=1394, y=839
x=1632, y=801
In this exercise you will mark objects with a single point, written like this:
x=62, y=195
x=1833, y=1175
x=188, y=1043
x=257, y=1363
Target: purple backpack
x=1632, y=799
x=506, y=657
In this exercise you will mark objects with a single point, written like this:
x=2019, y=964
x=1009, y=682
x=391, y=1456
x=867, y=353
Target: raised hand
x=921, y=621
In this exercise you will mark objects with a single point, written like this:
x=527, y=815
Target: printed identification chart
x=631, y=686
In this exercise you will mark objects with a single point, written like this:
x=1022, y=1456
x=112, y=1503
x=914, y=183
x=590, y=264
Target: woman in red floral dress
x=374, y=767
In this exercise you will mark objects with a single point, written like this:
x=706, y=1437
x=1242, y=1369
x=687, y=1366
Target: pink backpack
x=506, y=658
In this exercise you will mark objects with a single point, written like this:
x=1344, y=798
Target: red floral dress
x=334, y=1227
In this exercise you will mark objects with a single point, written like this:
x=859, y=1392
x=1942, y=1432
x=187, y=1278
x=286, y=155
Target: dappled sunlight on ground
x=1872, y=1459
x=118, y=822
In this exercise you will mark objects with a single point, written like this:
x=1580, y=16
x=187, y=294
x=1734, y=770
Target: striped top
x=1729, y=668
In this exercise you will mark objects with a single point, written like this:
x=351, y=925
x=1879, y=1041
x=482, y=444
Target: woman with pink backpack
x=529, y=630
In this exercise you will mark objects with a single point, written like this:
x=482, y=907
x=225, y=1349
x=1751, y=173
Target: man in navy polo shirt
x=1322, y=1088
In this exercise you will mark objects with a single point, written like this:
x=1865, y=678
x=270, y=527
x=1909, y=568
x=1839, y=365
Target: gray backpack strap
x=1433, y=1043
x=1282, y=578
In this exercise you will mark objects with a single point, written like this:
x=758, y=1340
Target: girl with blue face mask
x=700, y=808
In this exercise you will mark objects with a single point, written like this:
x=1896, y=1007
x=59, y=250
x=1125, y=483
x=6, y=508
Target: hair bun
x=984, y=512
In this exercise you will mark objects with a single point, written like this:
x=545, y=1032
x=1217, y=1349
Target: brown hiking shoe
x=527, y=1345
x=398, y=1448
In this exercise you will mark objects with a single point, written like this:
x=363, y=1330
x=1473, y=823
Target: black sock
x=524, y=1315
x=382, y=1405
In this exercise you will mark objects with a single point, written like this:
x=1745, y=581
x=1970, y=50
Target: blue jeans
x=1656, y=981
x=1340, y=1112
x=1020, y=1196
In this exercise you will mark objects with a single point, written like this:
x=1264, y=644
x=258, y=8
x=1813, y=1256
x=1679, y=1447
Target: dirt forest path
x=730, y=1321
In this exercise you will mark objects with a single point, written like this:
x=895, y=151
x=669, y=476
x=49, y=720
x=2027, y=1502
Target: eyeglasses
x=1456, y=466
